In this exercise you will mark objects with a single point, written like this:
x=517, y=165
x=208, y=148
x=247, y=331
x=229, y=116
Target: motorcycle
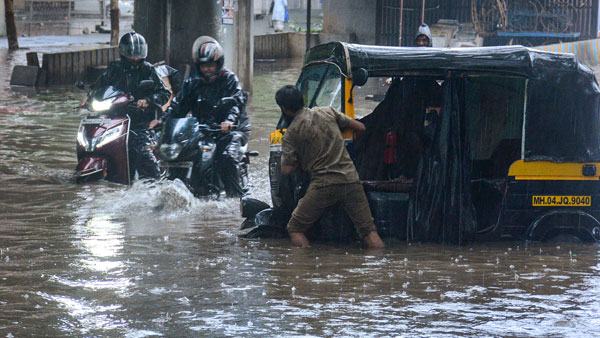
x=103, y=136
x=182, y=141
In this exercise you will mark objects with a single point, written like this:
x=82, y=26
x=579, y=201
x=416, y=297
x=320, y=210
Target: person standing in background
x=279, y=17
x=423, y=38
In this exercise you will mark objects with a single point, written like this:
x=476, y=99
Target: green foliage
x=314, y=28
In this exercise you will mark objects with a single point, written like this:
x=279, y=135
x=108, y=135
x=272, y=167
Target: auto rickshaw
x=468, y=144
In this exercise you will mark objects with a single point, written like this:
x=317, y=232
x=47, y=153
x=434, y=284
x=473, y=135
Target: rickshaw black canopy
x=562, y=118
x=383, y=60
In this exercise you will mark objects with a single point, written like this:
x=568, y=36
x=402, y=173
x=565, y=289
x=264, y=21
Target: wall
x=2, y=20
x=261, y=7
x=340, y=21
x=227, y=41
x=68, y=67
x=191, y=19
x=187, y=20
x=150, y=18
x=172, y=26
x=301, y=4
x=282, y=45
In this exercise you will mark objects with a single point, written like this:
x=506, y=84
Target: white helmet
x=206, y=49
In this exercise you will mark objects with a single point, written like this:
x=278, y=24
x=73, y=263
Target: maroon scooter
x=103, y=136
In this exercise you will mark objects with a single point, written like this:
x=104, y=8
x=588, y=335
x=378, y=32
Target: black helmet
x=207, y=49
x=133, y=46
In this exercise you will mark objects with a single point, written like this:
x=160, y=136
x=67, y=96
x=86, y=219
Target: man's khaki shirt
x=314, y=141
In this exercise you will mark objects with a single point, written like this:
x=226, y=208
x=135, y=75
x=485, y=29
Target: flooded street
x=107, y=260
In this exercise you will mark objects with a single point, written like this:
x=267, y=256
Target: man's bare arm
x=357, y=126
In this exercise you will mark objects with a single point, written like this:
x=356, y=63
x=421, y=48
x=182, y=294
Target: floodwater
x=150, y=260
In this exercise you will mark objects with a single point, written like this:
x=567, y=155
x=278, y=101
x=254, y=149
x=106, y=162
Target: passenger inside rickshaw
x=396, y=131
x=402, y=129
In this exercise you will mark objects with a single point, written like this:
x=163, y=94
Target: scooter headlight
x=109, y=136
x=82, y=139
x=101, y=105
x=170, y=152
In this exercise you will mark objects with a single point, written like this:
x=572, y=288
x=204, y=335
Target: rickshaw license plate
x=562, y=201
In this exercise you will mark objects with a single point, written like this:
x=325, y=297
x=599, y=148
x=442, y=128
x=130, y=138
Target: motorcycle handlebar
x=209, y=128
x=151, y=103
x=214, y=127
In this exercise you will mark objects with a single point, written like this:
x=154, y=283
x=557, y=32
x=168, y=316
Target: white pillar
x=2, y=20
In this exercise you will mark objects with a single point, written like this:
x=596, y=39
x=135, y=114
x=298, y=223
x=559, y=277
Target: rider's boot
x=231, y=179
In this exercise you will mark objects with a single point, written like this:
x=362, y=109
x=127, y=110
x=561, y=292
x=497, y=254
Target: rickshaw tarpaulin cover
x=562, y=108
x=561, y=118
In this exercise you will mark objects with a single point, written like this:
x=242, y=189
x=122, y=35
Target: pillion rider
x=126, y=74
x=214, y=96
x=313, y=142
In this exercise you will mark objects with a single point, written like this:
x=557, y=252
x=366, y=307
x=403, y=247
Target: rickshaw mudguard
x=553, y=171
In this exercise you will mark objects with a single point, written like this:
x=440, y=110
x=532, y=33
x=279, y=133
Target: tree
x=114, y=22
x=11, y=28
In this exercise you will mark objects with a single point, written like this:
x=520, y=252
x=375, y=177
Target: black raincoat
x=211, y=92
x=127, y=77
x=201, y=97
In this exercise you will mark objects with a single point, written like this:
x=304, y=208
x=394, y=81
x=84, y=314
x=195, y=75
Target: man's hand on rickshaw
x=357, y=126
x=226, y=126
x=142, y=104
x=153, y=124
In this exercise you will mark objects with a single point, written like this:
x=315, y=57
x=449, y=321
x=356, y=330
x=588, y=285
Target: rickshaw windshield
x=321, y=85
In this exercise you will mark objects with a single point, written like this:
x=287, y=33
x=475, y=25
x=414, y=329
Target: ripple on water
x=157, y=200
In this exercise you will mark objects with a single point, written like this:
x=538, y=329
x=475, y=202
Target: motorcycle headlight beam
x=101, y=105
x=170, y=152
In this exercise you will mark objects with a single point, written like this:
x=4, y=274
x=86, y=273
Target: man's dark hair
x=290, y=98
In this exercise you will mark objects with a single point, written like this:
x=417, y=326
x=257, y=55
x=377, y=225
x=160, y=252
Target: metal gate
x=388, y=17
x=577, y=17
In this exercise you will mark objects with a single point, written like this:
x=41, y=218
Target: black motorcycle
x=187, y=151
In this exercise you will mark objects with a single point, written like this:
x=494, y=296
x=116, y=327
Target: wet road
x=151, y=260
